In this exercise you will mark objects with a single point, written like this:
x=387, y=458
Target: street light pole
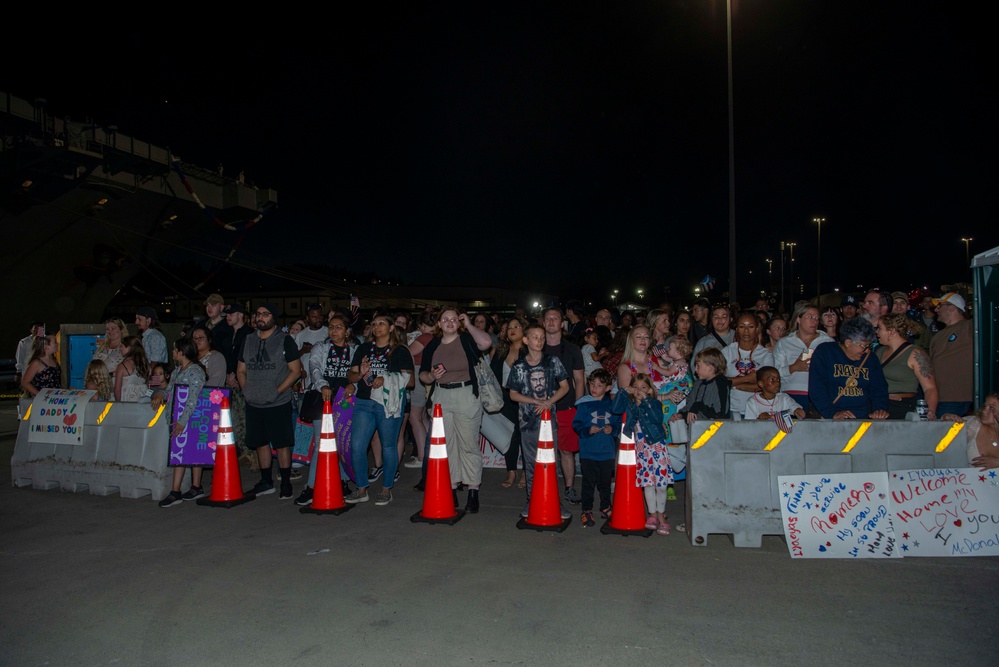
x=770, y=278
x=967, y=251
x=790, y=280
x=782, y=277
x=818, y=262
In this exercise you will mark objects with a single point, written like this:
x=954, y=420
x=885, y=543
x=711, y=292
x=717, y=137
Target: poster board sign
x=195, y=446
x=57, y=416
x=946, y=511
x=838, y=515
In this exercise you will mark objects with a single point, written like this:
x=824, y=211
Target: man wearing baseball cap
x=952, y=352
x=215, y=320
x=849, y=306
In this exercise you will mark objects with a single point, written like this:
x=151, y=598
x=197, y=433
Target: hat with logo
x=215, y=299
x=953, y=298
x=235, y=308
x=850, y=300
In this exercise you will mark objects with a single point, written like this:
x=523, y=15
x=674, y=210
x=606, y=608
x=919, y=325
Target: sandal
x=508, y=482
x=663, y=528
x=651, y=523
x=522, y=483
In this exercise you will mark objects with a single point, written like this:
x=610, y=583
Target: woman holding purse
x=449, y=365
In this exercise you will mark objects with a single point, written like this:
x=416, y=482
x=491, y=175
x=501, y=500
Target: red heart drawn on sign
x=69, y=420
x=958, y=523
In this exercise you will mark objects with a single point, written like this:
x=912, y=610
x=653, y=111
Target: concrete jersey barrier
x=733, y=466
x=124, y=450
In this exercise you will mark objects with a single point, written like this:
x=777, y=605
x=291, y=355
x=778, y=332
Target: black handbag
x=312, y=406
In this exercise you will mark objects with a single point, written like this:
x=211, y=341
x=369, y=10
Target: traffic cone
x=227, y=489
x=545, y=511
x=438, y=500
x=327, y=494
x=628, y=509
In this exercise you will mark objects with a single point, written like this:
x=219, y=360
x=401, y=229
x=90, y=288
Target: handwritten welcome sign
x=57, y=416
x=946, y=511
x=195, y=446
x=838, y=515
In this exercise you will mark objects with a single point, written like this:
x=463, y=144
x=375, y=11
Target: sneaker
x=297, y=464
x=194, y=493
x=286, y=491
x=524, y=512
x=296, y=473
x=397, y=475
x=586, y=518
x=358, y=496
x=566, y=514
x=345, y=487
x=420, y=486
x=571, y=496
x=263, y=488
x=173, y=498
x=670, y=493
x=413, y=462
x=384, y=497
x=605, y=514
x=304, y=498
x=374, y=474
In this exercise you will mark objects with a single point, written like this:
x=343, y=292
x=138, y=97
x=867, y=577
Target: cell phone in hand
x=439, y=367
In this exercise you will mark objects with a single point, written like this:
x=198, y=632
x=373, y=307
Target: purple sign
x=195, y=446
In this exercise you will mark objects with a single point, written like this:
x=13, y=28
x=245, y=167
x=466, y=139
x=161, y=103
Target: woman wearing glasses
x=845, y=379
x=793, y=352
x=448, y=364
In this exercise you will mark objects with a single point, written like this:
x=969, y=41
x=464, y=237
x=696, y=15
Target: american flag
x=355, y=303
x=783, y=420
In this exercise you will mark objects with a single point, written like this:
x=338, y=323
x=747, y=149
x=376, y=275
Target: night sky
x=576, y=148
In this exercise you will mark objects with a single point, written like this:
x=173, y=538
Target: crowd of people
x=639, y=372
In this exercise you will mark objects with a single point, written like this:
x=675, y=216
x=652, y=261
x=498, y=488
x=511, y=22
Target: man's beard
x=265, y=326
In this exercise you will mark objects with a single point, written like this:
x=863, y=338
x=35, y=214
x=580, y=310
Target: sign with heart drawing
x=57, y=416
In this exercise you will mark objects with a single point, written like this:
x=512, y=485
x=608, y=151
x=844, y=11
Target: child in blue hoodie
x=597, y=429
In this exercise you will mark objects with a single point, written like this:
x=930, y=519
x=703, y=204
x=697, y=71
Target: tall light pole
x=967, y=251
x=733, y=296
x=782, y=310
x=790, y=246
x=818, y=262
x=614, y=298
x=770, y=277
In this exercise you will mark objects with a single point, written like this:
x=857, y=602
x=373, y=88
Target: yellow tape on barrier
x=776, y=441
x=703, y=440
x=945, y=441
x=107, y=409
x=27, y=413
x=857, y=436
x=156, y=417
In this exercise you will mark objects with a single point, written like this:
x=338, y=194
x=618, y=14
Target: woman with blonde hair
x=109, y=349
x=43, y=370
x=448, y=364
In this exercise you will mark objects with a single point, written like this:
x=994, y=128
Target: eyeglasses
x=198, y=338
x=809, y=317
x=262, y=313
x=448, y=320
x=862, y=346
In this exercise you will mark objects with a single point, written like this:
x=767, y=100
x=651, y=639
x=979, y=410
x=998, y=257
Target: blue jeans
x=317, y=428
x=368, y=417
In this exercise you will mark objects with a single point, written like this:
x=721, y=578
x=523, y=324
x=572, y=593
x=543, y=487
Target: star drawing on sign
x=905, y=536
x=786, y=494
x=915, y=544
x=905, y=547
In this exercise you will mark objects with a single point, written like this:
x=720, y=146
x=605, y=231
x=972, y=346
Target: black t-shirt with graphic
x=381, y=362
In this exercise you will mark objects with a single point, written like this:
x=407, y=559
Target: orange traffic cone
x=545, y=511
x=628, y=515
x=438, y=500
x=227, y=490
x=327, y=494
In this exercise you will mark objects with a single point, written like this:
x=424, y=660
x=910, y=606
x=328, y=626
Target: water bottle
x=922, y=410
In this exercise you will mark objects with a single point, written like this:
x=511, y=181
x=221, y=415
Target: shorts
x=419, y=396
x=270, y=426
x=567, y=439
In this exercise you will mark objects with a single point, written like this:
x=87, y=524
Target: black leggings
x=513, y=453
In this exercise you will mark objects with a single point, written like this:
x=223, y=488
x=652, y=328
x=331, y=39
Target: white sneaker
x=413, y=462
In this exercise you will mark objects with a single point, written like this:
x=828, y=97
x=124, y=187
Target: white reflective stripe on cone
x=438, y=451
x=226, y=437
x=327, y=425
x=225, y=420
x=626, y=457
x=327, y=443
x=437, y=429
x=545, y=435
x=546, y=455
